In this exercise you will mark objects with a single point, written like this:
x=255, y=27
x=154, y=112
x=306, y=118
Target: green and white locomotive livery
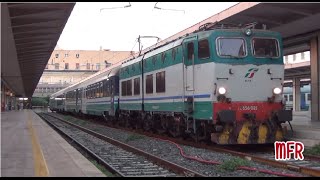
x=220, y=83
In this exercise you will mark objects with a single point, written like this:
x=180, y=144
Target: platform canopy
x=297, y=22
x=29, y=34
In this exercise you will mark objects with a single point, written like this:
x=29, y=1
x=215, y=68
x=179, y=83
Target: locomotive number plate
x=254, y=108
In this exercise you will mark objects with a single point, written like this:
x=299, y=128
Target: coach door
x=189, y=46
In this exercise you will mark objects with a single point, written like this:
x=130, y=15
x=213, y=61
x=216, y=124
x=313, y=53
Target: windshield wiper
x=231, y=56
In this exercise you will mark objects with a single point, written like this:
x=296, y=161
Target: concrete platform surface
x=31, y=148
x=304, y=130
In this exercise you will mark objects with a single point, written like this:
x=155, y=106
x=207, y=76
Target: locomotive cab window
x=203, y=49
x=231, y=47
x=263, y=47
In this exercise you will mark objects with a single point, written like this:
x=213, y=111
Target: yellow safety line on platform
x=40, y=165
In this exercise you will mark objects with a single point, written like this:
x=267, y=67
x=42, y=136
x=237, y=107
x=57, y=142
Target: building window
x=47, y=66
x=56, y=66
x=57, y=55
x=160, y=82
x=77, y=55
x=66, y=55
x=88, y=65
x=302, y=56
x=190, y=51
x=77, y=66
x=136, y=86
x=98, y=66
x=149, y=84
x=203, y=49
x=66, y=66
x=294, y=57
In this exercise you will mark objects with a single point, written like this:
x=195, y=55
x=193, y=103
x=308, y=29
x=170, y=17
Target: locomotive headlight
x=276, y=90
x=222, y=90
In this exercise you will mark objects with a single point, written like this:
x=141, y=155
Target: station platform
x=304, y=130
x=31, y=148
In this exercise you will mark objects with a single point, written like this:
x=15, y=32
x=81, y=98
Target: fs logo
x=251, y=72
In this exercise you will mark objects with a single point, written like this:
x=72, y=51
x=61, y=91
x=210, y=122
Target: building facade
x=66, y=67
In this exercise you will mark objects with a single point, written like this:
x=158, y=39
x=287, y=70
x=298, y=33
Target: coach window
x=136, y=86
x=129, y=87
x=231, y=47
x=123, y=88
x=149, y=84
x=203, y=49
x=97, y=90
x=309, y=97
x=190, y=51
x=285, y=97
x=160, y=82
x=101, y=89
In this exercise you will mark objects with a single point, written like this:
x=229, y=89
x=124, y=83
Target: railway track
x=253, y=157
x=117, y=157
x=310, y=166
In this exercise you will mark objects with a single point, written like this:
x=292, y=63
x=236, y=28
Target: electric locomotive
x=221, y=83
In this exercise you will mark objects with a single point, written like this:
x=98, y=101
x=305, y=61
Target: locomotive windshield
x=265, y=47
x=231, y=47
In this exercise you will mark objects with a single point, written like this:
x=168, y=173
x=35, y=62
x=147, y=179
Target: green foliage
x=133, y=137
x=314, y=150
x=40, y=101
x=233, y=164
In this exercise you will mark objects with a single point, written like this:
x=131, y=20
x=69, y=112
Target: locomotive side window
x=190, y=51
x=265, y=47
x=160, y=82
x=203, y=49
x=136, y=86
x=231, y=47
x=149, y=84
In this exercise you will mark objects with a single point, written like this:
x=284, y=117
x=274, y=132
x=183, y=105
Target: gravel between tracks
x=169, y=151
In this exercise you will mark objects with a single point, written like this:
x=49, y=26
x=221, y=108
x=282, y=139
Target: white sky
x=118, y=29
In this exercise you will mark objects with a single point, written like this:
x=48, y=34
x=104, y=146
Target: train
x=305, y=97
x=222, y=83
